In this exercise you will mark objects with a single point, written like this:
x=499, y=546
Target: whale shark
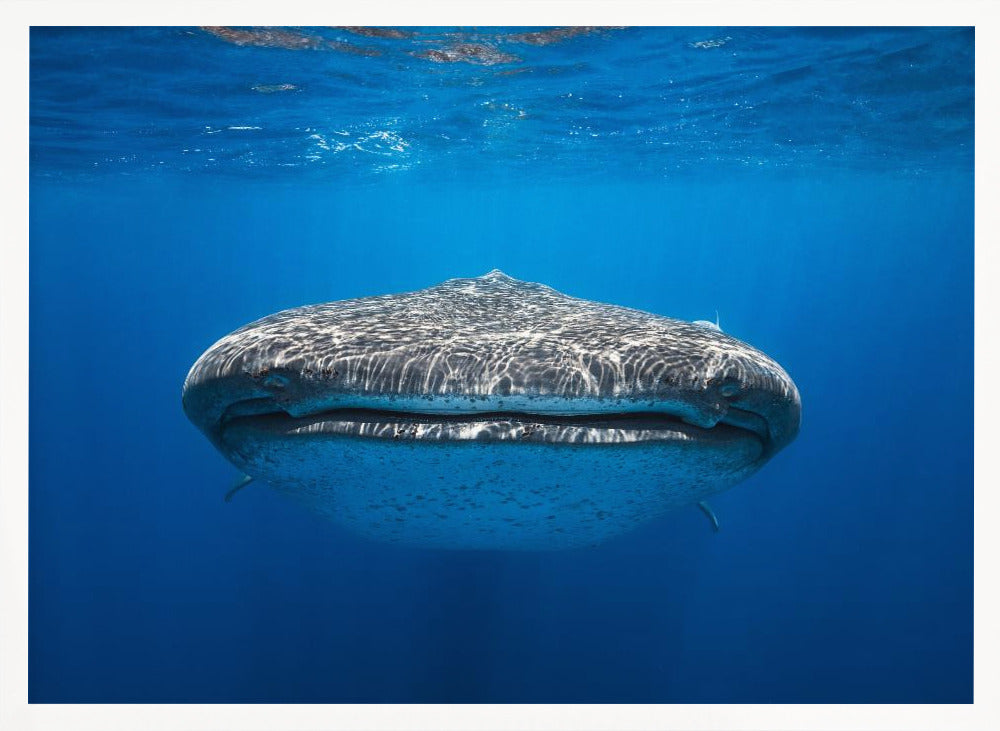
x=490, y=413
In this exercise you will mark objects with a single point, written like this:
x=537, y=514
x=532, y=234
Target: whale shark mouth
x=265, y=416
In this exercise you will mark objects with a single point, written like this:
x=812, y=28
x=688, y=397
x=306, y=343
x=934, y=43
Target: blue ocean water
x=813, y=186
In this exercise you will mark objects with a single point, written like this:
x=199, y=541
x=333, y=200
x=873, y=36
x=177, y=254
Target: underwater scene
x=501, y=365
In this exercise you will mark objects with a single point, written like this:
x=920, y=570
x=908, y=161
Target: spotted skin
x=490, y=381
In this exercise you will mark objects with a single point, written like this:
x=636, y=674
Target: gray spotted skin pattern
x=490, y=495
x=490, y=343
x=490, y=413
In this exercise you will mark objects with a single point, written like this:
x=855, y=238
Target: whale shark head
x=490, y=412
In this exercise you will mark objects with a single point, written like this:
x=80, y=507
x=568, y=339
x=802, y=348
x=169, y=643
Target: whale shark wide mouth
x=265, y=416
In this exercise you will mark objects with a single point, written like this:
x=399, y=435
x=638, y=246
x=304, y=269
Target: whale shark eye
x=727, y=386
x=275, y=380
x=729, y=389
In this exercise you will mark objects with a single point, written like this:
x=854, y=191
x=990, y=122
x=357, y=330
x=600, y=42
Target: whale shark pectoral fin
x=710, y=514
x=240, y=484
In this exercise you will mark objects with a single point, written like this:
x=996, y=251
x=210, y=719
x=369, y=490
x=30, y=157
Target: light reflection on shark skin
x=490, y=413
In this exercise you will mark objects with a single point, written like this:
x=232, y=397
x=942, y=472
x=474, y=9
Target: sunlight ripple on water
x=357, y=102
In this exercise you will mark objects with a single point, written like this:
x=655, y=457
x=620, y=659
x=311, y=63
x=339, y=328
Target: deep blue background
x=843, y=571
